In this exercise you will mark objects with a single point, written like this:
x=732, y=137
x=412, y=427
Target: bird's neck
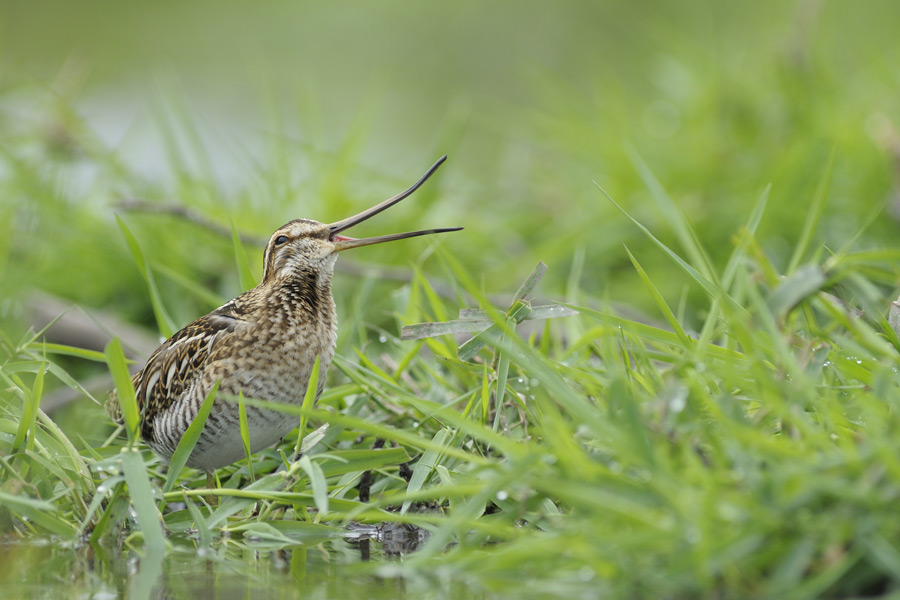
x=305, y=294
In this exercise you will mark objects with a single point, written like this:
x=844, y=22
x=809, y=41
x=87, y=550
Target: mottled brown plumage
x=263, y=344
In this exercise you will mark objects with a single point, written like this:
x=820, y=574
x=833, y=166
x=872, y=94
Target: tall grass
x=628, y=457
x=697, y=399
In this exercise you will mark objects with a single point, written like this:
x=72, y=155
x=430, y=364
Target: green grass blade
x=41, y=513
x=77, y=461
x=425, y=466
x=661, y=302
x=309, y=399
x=141, y=495
x=190, y=285
x=423, y=330
x=704, y=281
x=163, y=320
x=245, y=433
x=37, y=390
x=813, y=217
x=800, y=284
x=203, y=530
x=531, y=281
x=189, y=439
x=545, y=311
x=485, y=394
x=91, y=355
x=118, y=368
x=654, y=334
x=731, y=269
x=397, y=435
x=243, y=263
x=756, y=215
x=675, y=217
x=468, y=349
x=317, y=482
x=500, y=389
x=25, y=429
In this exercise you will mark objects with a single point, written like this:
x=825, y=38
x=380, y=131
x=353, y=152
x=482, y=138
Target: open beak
x=342, y=242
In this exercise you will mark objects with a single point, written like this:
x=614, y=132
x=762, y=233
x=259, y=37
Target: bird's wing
x=172, y=367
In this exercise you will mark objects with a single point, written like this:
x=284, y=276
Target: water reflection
x=336, y=568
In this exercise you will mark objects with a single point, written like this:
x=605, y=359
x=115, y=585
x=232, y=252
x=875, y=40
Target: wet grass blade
x=423, y=330
x=189, y=439
x=41, y=513
x=544, y=311
x=203, y=530
x=424, y=466
x=471, y=347
x=531, y=281
x=118, y=368
x=317, y=482
x=141, y=498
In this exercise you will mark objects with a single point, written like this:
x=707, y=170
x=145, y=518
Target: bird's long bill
x=342, y=242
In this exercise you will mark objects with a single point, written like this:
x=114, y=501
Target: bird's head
x=305, y=245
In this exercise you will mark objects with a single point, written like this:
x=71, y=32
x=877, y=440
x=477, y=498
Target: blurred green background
x=254, y=114
x=258, y=113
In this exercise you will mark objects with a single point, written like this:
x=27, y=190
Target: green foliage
x=756, y=462
x=714, y=412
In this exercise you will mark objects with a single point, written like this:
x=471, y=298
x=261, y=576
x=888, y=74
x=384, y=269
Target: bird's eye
x=281, y=239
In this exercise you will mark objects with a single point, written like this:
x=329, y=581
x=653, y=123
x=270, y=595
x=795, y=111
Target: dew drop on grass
x=382, y=338
x=502, y=495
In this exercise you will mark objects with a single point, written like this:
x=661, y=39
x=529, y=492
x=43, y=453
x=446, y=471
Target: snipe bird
x=263, y=343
